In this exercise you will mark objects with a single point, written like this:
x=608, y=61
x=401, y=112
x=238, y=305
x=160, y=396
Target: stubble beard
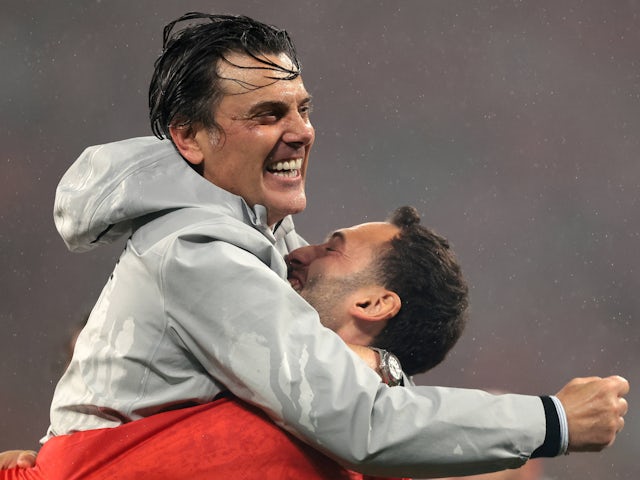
x=326, y=295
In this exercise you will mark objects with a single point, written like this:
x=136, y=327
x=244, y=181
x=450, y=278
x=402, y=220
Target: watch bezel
x=389, y=374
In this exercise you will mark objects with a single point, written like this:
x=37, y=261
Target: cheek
x=255, y=140
x=239, y=164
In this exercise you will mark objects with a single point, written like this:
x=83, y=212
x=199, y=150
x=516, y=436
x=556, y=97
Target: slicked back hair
x=185, y=86
x=421, y=268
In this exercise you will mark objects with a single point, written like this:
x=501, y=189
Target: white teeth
x=295, y=283
x=288, y=166
x=286, y=173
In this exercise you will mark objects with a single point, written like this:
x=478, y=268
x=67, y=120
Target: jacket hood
x=112, y=187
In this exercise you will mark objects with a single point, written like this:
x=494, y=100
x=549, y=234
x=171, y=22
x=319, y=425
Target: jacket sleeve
x=253, y=333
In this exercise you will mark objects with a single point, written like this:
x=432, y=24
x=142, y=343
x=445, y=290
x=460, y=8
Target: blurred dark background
x=513, y=126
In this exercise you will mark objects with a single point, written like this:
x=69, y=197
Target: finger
x=623, y=406
x=622, y=384
x=27, y=459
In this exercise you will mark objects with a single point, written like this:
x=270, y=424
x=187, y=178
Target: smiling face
x=330, y=275
x=263, y=148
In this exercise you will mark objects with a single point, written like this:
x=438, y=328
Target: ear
x=185, y=139
x=374, y=304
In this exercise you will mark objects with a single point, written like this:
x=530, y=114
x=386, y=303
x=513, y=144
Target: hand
x=17, y=458
x=595, y=409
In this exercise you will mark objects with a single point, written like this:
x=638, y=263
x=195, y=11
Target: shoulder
x=206, y=240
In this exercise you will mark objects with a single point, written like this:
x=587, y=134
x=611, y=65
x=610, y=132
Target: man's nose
x=303, y=256
x=300, y=131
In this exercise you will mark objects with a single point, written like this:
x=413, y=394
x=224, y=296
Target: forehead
x=372, y=233
x=241, y=73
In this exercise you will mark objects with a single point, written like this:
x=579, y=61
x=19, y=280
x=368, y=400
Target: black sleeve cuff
x=551, y=445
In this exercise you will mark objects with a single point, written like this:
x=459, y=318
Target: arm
x=587, y=400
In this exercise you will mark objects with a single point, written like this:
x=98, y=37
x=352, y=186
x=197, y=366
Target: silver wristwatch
x=389, y=366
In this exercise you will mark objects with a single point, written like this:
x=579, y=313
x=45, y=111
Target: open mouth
x=294, y=279
x=290, y=168
x=295, y=284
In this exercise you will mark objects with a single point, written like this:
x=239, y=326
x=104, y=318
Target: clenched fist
x=595, y=409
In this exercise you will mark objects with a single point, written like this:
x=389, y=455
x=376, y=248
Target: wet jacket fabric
x=198, y=304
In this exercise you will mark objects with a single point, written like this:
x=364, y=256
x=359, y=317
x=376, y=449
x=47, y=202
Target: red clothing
x=226, y=439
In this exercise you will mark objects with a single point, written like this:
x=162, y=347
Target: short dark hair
x=185, y=87
x=421, y=268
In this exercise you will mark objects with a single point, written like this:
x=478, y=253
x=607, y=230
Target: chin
x=289, y=204
x=278, y=212
x=297, y=208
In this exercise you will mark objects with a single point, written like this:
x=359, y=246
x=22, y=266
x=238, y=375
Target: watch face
x=395, y=370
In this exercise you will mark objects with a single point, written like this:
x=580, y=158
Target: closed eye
x=268, y=112
x=306, y=109
x=268, y=117
x=336, y=242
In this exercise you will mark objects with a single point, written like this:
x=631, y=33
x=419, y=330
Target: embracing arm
x=595, y=409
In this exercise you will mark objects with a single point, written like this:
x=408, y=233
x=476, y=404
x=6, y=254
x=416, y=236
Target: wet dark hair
x=421, y=268
x=185, y=87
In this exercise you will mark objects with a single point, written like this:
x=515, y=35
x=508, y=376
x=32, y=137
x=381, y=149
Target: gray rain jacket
x=198, y=303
